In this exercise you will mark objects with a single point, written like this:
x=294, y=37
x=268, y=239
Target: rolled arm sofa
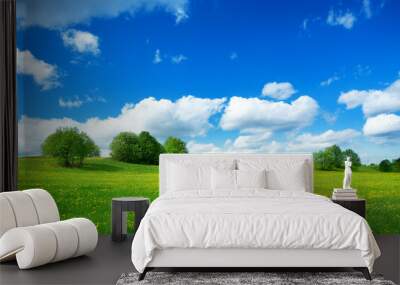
x=31, y=231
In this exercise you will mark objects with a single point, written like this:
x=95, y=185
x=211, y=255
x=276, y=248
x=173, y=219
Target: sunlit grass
x=87, y=191
x=381, y=190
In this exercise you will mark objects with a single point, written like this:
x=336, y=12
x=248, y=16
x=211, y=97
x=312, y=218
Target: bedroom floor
x=110, y=260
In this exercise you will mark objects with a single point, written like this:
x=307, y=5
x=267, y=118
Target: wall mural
x=105, y=86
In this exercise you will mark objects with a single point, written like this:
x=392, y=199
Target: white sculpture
x=347, y=174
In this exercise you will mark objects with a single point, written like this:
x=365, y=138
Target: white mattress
x=253, y=219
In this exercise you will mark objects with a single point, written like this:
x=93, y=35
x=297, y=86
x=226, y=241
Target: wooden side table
x=120, y=207
x=355, y=205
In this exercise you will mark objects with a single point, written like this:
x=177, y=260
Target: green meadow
x=87, y=191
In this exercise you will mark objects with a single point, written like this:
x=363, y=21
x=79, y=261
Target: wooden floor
x=110, y=260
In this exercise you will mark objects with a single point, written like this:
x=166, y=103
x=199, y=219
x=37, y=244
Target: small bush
x=126, y=147
x=142, y=148
x=337, y=155
x=355, y=159
x=150, y=148
x=385, y=166
x=175, y=145
x=324, y=160
x=332, y=158
x=396, y=165
x=70, y=147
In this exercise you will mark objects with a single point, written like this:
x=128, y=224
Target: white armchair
x=31, y=230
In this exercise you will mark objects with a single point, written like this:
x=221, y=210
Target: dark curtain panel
x=8, y=100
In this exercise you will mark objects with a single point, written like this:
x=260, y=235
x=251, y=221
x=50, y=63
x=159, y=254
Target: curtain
x=8, y=100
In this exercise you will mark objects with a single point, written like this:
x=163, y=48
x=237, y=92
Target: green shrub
x=70, y=147
x=324, y=160
x=150, y=148
x=175, y=145
x=396, y=165
x=142, y=148
x=385, y=166
x=355, y=159
x=126, y=147
x=336, y=154
x=332, y=158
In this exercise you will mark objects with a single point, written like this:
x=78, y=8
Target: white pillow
x=223, y=179
x=190, y=175
x=282, y=174
x=251, y=178
x=187, y=177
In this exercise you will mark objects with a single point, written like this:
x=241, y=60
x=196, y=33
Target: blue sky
x=248, y=76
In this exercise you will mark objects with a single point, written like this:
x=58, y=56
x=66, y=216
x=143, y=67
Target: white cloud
x=80, y=41
x=70, y=103
x=77, y=102
x=194, y=147
x=256, y=143
x=254, y=114
x=60, y=14
x=373, y=101
x=281, y=90
x=330, y=80
x=330, y=118
x=186, y=117
x=233, y=56
x=94, y=98
x=157, y=57
x=180, y=11
x=367, y=8
x=44, y=74
x=178, y=58
x=310, y=142
x=304, y=24
x=346, y=20
x=307, y=23
x=385, y=126
x=253, y=143
x=362, y=71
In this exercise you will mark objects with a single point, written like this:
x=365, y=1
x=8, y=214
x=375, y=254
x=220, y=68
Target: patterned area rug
x=229, y=278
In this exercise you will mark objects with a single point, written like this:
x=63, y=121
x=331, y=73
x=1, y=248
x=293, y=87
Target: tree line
x=70, y=147
x=387, y=165
x=143, y=148
x=333, y=157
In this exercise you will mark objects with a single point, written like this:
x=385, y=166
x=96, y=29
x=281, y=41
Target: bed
x=247, y=210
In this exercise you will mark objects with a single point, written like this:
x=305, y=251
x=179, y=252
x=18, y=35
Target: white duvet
x=250, y=219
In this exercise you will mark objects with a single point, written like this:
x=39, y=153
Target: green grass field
x=87, y=192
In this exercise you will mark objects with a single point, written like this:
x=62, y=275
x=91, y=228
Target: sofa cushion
x=41, y=244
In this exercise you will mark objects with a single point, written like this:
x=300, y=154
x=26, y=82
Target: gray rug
x=228, y=278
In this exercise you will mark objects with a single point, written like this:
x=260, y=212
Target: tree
x=355, y=159
x=126, y=147
x=396, y=165
x=142, y=148
x=150, y=148
x=70, y=146
x=385, y=166
x=175, y=145
x=336, y=152
x=324, y=159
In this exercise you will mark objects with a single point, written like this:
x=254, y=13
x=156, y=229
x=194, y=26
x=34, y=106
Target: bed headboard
x=202, y=158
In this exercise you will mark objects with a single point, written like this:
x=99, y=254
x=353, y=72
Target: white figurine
x=347, y=174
